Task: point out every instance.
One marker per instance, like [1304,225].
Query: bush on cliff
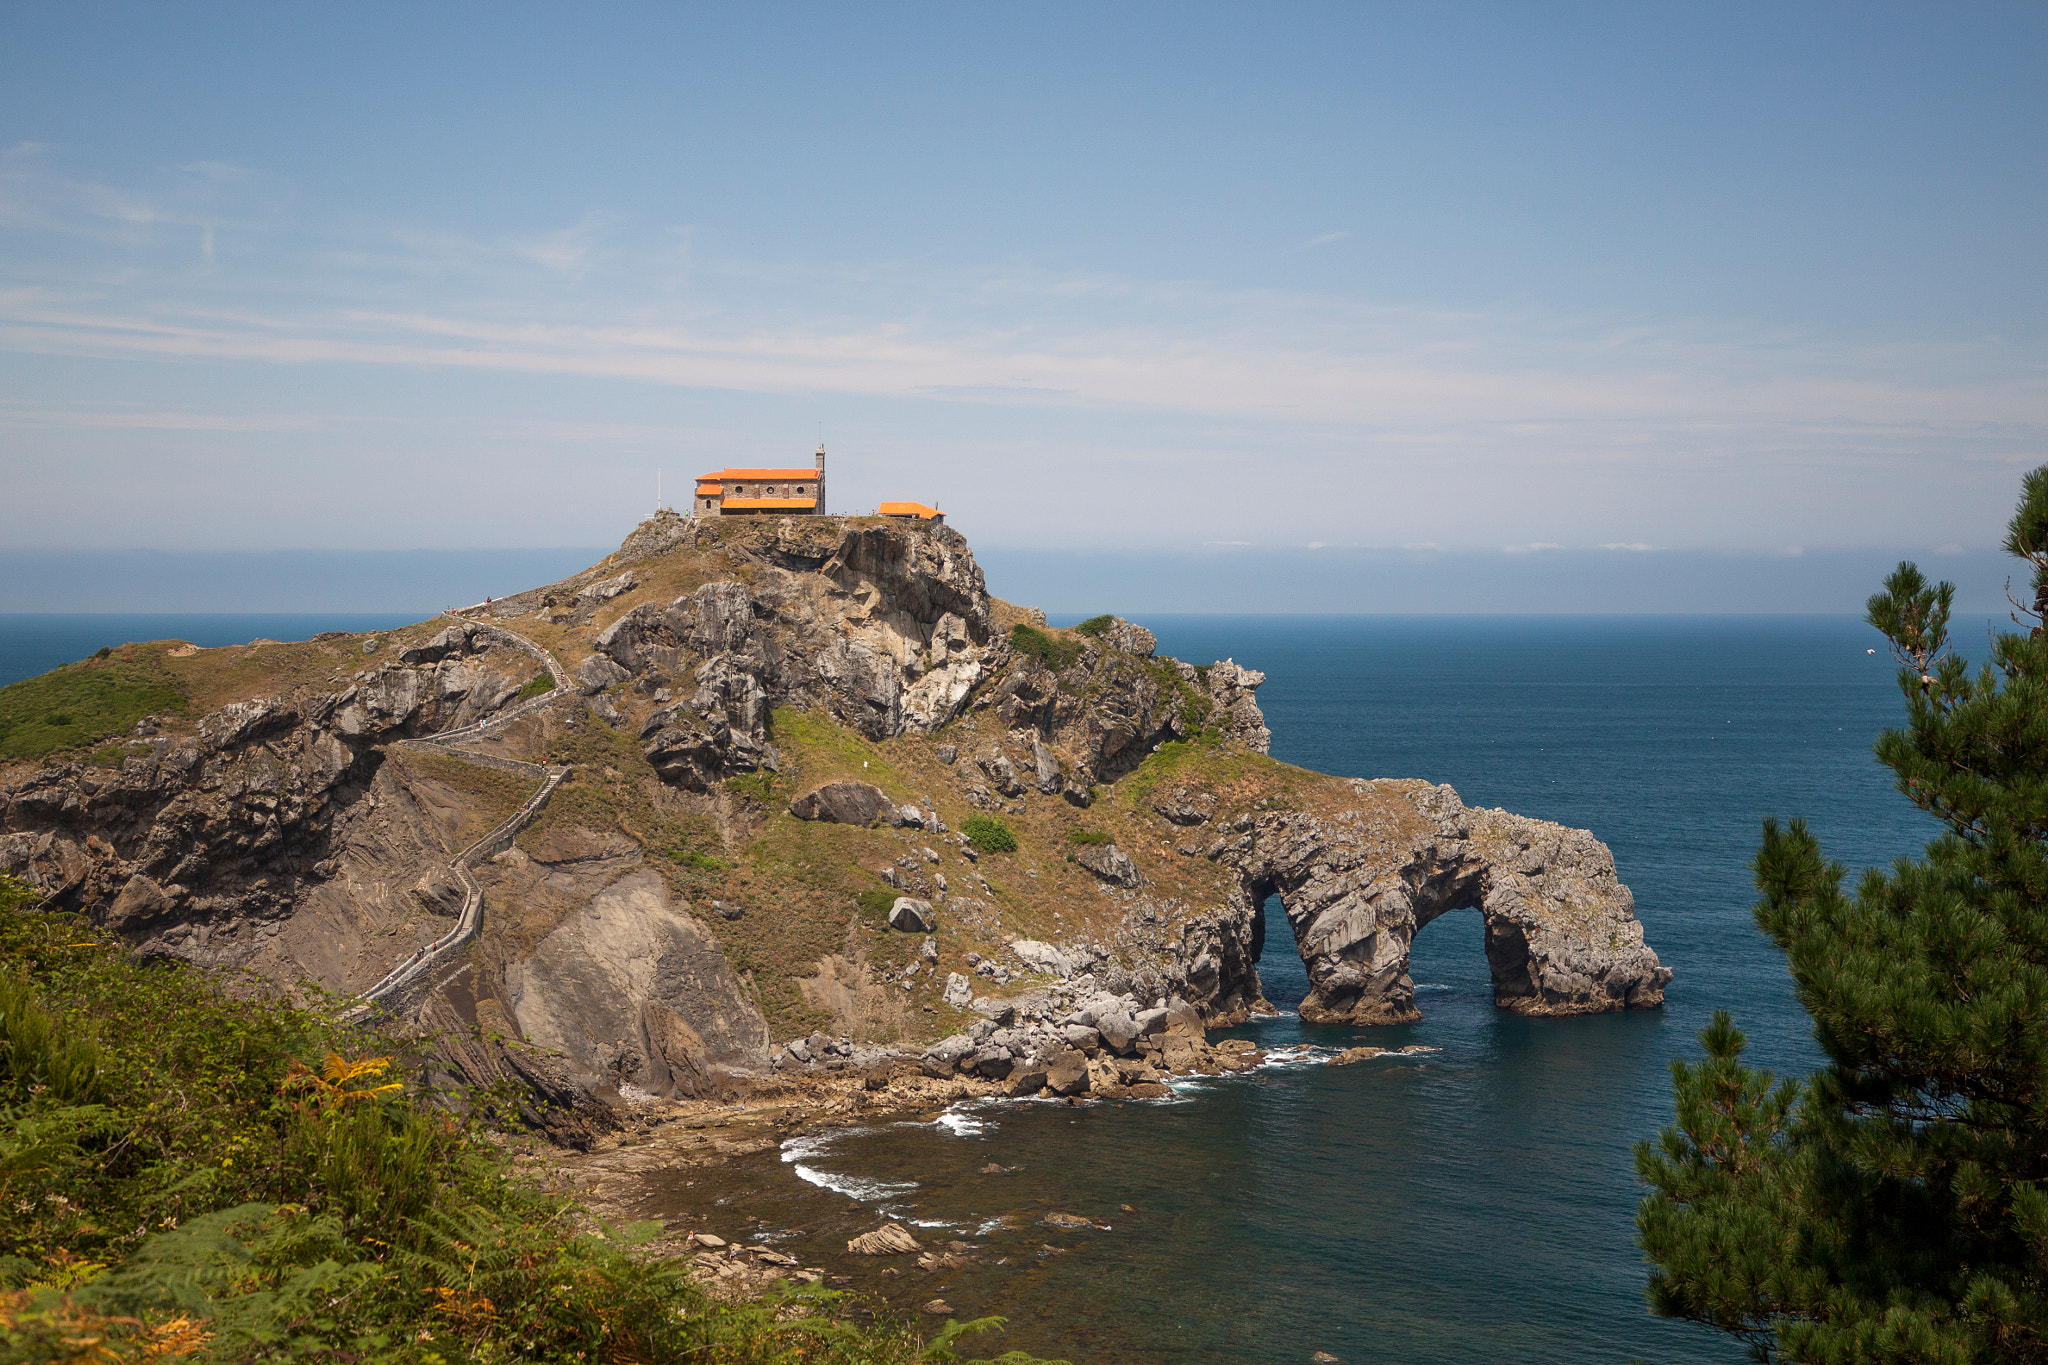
[1894,1205]
[1033,643]
[989,834]
[187,1176]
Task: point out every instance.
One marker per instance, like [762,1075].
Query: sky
[1492,281]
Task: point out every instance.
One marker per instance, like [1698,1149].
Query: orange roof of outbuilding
[909,509]
[705,490]
[768,504]
[762,475]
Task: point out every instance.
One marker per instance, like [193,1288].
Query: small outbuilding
[911,511]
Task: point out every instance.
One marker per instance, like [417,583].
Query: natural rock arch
[1359,879]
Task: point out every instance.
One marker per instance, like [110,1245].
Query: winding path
[409,973]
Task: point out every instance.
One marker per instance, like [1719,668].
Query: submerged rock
[891,1239]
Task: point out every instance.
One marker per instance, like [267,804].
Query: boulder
[1082,1036]
[1110,863]
[912,916]
[841,803]
[1066,1072]
[728,909]
[607,589]
[942,1057]
[1043,957]
[596,673]
[947,753]
[1047,768]
[1002,774]
[1071,1220]
[959,991]
[993,1063]
[1120,1031]
[890,1239]
[1027,1078]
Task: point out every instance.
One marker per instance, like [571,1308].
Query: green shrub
[878,901]
[1033,643]
[539,685]
[989,834]
[1078,835]
[758,785]
[1095,626]
[239,1180]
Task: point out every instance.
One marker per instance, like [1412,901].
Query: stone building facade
[762,492]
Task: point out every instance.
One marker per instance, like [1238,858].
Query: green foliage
[877,901]
[184,1175]
[989,834]
[82,703]
[758,785]
[539,685]
[1078,835]
[703,862]
[1095,626]
[1894,1206]
[1052,651]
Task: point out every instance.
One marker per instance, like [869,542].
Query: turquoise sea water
[1471,1204]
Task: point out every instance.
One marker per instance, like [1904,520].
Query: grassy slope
[78,705]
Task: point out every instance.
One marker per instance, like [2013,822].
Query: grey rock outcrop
[842,803]
[1110,863]
[912,916]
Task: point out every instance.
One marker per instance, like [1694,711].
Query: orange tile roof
[909,509]
[706,490]
[761,475]
[768,504]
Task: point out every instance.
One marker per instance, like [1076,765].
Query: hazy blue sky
[1719,277]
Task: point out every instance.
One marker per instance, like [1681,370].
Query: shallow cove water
[1474,1203]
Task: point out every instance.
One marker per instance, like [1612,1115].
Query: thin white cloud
[1635,546]
[1324,240]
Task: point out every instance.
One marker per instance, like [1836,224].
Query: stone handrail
[469,922]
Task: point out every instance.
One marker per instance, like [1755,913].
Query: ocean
[1470,1204]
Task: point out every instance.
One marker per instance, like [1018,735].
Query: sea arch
[1359,878]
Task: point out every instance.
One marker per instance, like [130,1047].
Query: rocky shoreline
[843,1085]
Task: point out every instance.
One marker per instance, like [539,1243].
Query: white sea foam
[853,1186]
[799,1152]
[1432,986]
[960,1123]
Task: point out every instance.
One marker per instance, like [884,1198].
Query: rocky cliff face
[776,729]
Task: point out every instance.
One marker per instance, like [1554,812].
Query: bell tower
[821,479]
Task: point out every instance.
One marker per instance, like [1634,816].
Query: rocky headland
[782,811]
